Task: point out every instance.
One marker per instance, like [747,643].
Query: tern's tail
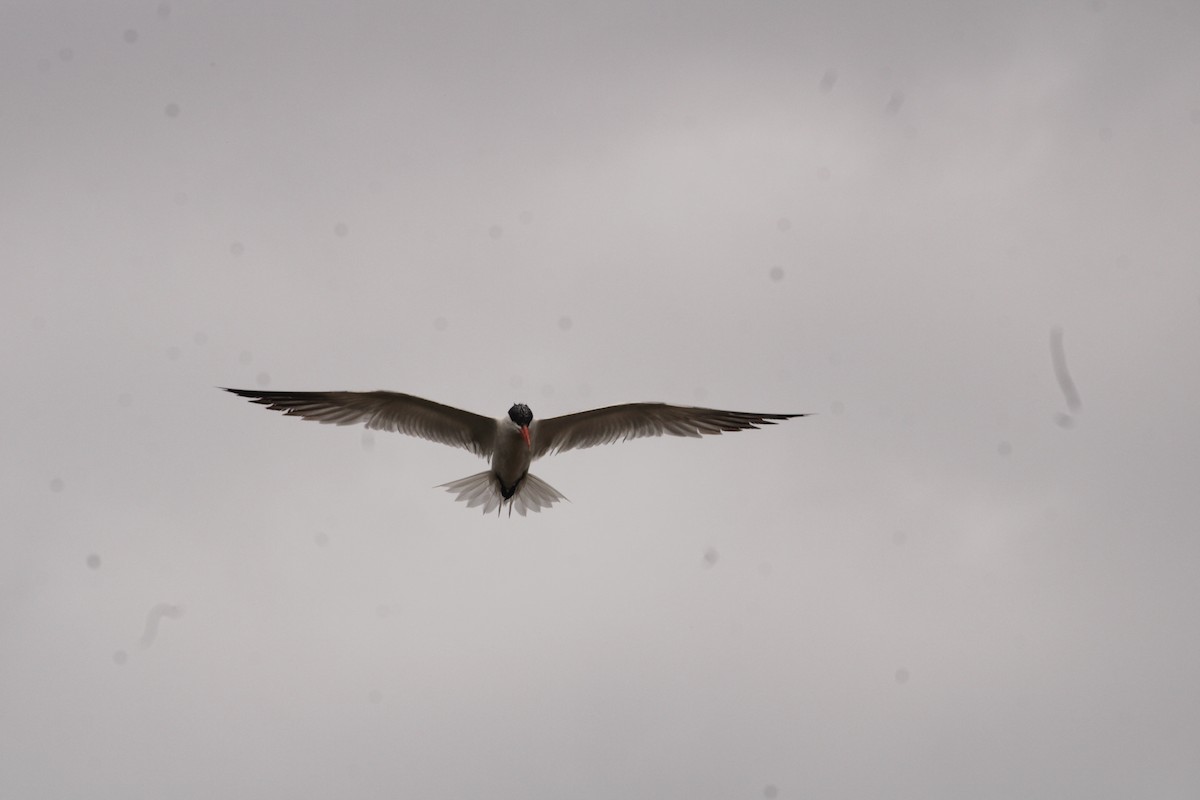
[483,489]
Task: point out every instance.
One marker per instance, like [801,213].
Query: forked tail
[483,489]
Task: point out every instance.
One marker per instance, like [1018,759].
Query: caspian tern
[512,441]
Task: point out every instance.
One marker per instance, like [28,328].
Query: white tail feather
[483,489]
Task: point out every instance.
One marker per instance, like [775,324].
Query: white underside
[483,489]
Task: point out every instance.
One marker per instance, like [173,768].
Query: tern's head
[520,414]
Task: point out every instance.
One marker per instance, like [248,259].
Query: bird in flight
[511,442]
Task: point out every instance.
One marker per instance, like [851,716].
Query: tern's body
[511,457]
[512,442]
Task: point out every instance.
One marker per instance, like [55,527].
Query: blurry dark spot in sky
[375,697]
[236,249]
[1004,449]
[770,791]
[263,378]
[368,440]
[711,557]
[57,485]
[776,274]
[1058,355]
[1064,420]
[783,224]
[172,110]
[439,324]
[321,539]
[159,612]
[173,353]
[130,35]
[495,231]
[899,538]
[93,561]
[200,338]
[894,103]
[124,400]
[66,54]
[341,229]
[828,81]
[564,323]
[902,676]
[525,217]
[120,657]
[245,357]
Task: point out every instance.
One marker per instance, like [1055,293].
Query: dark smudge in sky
[1058,354]
[157,613]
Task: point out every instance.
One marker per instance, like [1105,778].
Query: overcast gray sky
[949,583]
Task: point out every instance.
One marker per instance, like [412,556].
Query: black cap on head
[520,414]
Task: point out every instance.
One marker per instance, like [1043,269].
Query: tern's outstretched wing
[636,420]
[386,411]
